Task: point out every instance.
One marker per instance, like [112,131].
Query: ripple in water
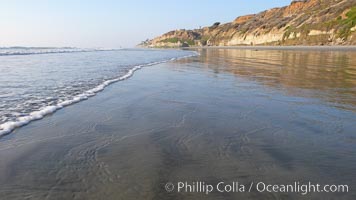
[35,82]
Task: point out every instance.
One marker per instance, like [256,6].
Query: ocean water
[38,81]
[7,51]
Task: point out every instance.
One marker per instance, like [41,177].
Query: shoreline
[8,127]
[307,48]
[207,118]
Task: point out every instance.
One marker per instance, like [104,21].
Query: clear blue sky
[112,23]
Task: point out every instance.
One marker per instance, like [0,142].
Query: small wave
[34,51]
[8,127]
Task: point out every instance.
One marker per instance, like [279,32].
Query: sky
[112,23]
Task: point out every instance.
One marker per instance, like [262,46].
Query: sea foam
[8,127]
[13,51]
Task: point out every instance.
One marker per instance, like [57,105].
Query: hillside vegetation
[309,22]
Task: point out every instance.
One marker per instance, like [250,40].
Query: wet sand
[293,48]
[227,115]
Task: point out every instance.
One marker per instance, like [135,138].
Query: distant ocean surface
[38,81]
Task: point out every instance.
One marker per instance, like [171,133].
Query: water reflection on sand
[227,115]
[330,75]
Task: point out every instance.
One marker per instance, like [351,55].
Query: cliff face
[303,22]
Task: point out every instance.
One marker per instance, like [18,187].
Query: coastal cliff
[303,22]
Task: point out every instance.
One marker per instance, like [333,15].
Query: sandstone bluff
[308,22]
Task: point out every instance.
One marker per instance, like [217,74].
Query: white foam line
[8,127]
[51,51]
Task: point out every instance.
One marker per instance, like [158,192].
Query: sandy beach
[214,117]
